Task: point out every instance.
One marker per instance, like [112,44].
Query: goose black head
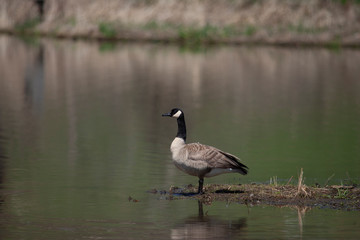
[175,113]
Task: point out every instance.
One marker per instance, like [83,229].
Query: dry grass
[302,189]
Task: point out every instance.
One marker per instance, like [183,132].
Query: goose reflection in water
[208,227]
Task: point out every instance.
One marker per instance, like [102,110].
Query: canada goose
[200,160]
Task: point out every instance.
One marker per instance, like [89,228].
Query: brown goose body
[204,161]
[198,159]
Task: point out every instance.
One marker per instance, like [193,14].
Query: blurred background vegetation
[191,21]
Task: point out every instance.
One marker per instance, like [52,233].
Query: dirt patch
[334,197]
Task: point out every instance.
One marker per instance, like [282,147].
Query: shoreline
[146,38]
[346,198]
[330,23]
[341,197]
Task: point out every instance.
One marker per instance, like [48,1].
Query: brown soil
[334,197]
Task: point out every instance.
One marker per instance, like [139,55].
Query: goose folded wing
[214,157]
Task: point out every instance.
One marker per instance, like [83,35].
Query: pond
[82,140]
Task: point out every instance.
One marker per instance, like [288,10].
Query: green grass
[107,29]
[27,25]
[152,25]
[300,28]
[335,44]
[273,181]
[229,30]
[342,193]
[192,35]
[249,30]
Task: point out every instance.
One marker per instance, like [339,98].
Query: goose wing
[214,157]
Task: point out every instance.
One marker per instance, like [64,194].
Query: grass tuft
[27,25]
[107,29]
[193,36]
[274,181]
[342,193]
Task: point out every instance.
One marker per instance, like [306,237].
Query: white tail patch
[177,114]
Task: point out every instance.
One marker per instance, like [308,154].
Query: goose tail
[237,165]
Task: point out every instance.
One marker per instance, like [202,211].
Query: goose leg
[201,182]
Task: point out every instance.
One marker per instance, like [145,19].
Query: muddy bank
[334,197]
[313,22]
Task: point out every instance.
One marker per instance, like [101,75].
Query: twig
[301,191]
[329,178]
[289,180]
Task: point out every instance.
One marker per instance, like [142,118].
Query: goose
[200,160]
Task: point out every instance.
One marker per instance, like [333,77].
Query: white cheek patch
[177,114]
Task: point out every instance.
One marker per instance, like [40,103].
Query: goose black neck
[181,127]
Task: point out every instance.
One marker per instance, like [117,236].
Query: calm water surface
[81,131]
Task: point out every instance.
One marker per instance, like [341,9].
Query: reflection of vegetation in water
[30,40]
[107,46]
[193,48]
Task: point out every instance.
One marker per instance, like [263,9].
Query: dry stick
[329,178]
[301,187]
[289,180]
